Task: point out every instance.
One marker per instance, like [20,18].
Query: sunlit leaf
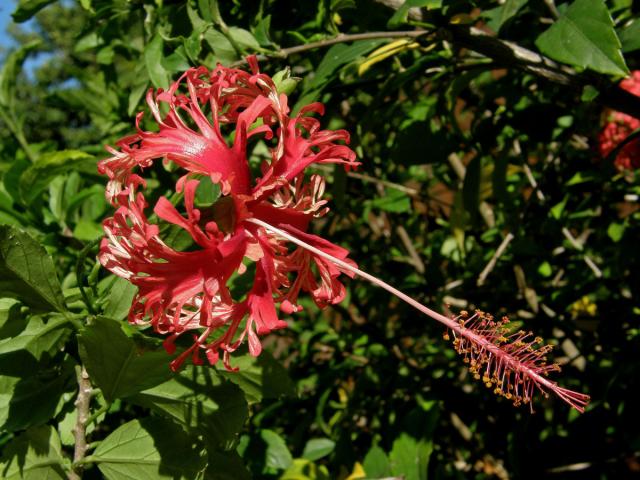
[584,36]
[147,449]
[27,271]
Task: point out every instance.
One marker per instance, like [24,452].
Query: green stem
[220,23]
[105,408]
[17,132]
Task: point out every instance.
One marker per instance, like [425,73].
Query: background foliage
[464,147]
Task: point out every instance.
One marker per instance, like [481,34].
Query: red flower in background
[619,126]
[187,291]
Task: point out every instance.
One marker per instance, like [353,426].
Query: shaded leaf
[27,271]
[336,57]
[584,36]
[302,469]
[260,378]
[34,455]
[32,401]
[28,8]
[201,400]
[116,363]
[394,201]
[630,37]
[23,352]
[226,466]
[471,186]
[11,323]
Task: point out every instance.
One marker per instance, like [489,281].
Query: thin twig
[352,37]
[396,186]
[80,430]
[411,249]
[532,181]
[580,247]
[551,5]
[494,259]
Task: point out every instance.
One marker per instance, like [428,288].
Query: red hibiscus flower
[187,291]
[260,214]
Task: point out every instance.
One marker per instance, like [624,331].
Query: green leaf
[27,271]
[376,464]
[34,455]
[119,298]
[498,16]
[32,401]
[409,457]
[116,363]
[136,94]
[226,466]
[11,323]
[584,37]
[317,448]
[558,209]
[201,400]
[244,38]
[28,8]
[221,46]
[35,179]
[471,185]
[86,4]
[545,269]
[193,43]
[261,31]
[260,378]
[148,449]
[302,469]
[403,12]
[153,56]
[394,201]
[630,37]
[39,340]
[616,231]
[10,70]
[336,57]
[277,454]
[87,231]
